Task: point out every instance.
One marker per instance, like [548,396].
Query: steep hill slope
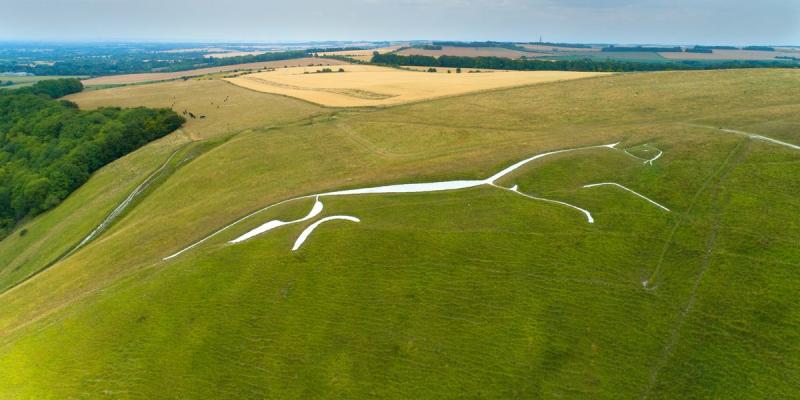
[479,292]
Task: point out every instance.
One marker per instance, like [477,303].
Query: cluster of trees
[716,47]
[562,65]
[502,45]
[505,45]
[48,147]
[325,71]
[53,88]
[6,83]
[428,47]
[696,49]
[640,49]
[759,48]
[315,50]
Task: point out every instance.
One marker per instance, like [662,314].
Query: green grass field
[475,293]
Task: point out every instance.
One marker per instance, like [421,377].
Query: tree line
[49,148]
[640,49]
[588,65]
[129,64]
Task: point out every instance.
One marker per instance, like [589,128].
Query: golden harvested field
[366,85]
[219,107]
[164,76]
[470,52]
[361,55]
[443,70]
[727,55]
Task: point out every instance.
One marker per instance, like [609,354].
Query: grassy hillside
[219,108]
[472,293]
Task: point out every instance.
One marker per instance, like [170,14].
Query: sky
[734,22]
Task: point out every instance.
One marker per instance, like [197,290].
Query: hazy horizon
[681,22]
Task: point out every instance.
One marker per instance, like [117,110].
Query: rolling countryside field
[487,235]
[361,55]
[367,85]
[468,52]
[128,79]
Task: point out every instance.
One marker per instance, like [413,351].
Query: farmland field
[219,108]
[361,85]
[469,52]
[164,76]
[361,55]
[729,55]
[549,49]
[498,290]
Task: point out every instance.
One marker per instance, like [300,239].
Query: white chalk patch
[769,139]
[585,212]
[306,232]
[629,190]
[218,231]
[409,188]
[515,166]
[400,188]
[645,160]
[761,137]
[315,210]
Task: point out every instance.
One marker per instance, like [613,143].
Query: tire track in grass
[733,159]
[686,214]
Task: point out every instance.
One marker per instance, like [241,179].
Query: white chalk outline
[628,189]
[515,189]
[306,232]
[644,160]
[415,188]
[749,135]
[761,137]
[275,223]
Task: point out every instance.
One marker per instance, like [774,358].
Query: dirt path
[122,206]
